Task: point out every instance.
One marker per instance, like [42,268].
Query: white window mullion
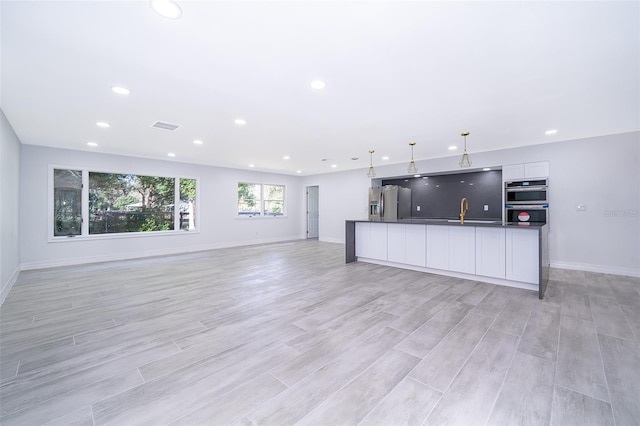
[176,205]
[85,203]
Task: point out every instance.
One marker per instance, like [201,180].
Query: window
[187,204]
[67,202]
[256,199]
[130,203]
[93,203]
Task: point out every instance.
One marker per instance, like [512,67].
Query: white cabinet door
[396,250]
[462,249]
[415,248]
[536,170]
[438,246]
[513,171]
[363,239]
[490,252]
[523,255]
[378,243]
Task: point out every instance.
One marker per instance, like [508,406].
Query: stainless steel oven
[526,201]
[524,214]
[526,192]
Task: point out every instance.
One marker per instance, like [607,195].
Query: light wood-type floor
[289,334]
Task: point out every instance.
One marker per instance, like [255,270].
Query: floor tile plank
[474,390]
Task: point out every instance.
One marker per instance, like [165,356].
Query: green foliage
[150,224]
[246,195]
[187,190]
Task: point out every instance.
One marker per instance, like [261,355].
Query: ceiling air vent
[163,125]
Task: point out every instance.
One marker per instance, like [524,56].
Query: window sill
[63,239]
[270,217]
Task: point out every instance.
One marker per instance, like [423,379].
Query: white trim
[603,269]
[6,287]
[117,235]
[84,232]
[472,277]
[271,216]
[332,240]
[148,253]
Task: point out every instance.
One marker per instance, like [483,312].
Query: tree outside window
[256,199]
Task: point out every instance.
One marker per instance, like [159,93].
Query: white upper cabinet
[513,171]
[536,170]
[525,171]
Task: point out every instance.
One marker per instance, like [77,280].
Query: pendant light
[372,171]
[465,161]
[412,169]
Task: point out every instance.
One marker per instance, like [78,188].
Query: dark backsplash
[439,196]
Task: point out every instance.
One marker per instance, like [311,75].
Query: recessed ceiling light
[240,121]
[385,158]
[198,142]
[171,154]
[486,169]
[286,157]
[551,132]
[318,84]
[92,144]
[416,176]
[252,165]
[120,90]
[453,148]
[298,171]
[334,165]
[167,8]
[103,124]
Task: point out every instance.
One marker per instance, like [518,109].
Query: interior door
[312,211]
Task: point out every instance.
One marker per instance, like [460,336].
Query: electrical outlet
[417,208]
[581,207]
[486,207]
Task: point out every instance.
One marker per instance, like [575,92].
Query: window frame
[262,215]
[84,233]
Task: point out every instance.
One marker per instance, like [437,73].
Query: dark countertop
[453,222]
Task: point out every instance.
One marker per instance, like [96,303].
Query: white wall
[9,206]
[219,226]
[601,172]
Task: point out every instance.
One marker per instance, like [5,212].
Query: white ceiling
[395,72]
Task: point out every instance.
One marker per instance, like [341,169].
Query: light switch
[581,207]
[418,208]
[486,207]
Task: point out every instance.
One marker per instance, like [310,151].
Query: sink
[474,221]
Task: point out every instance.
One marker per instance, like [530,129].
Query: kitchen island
[489,251]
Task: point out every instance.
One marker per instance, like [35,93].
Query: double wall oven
[526,201]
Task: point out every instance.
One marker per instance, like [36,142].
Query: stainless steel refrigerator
[391,202]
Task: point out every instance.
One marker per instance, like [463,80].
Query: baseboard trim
[613,270]
[28,266]
[332,240]
[6,287]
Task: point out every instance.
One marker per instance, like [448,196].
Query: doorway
[312,211]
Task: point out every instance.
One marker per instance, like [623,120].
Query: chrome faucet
[464,206]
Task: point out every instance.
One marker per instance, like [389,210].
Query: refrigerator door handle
[381,204]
